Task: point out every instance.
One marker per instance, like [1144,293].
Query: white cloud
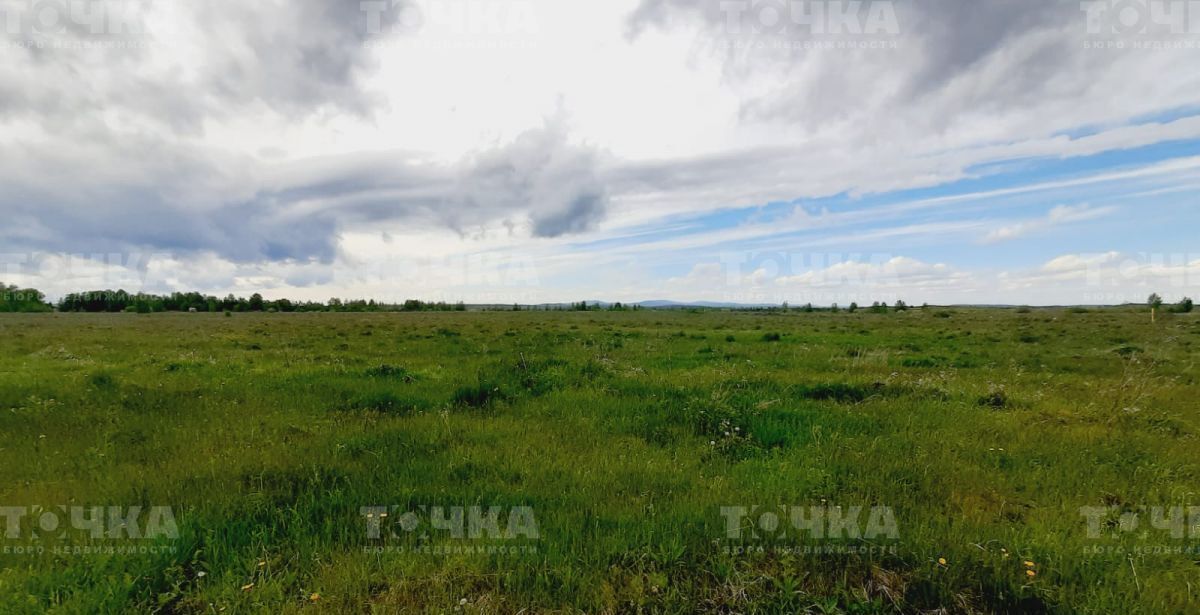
[1059,215]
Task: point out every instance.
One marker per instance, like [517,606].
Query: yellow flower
[1029,564]
[1032,573]
[247,587]
[942,561]
[315,597]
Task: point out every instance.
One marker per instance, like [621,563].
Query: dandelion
[712,442]
[462,601]
[314,597]
[1029,564]
[1031,573]
[201,574]
[942,561]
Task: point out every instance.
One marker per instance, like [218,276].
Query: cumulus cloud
[1106,277]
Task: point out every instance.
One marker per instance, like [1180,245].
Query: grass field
[618,445]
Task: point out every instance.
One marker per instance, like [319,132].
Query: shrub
[385,402]
[390,371]
[480,395]
[839,391]
[771,337]
[995,398]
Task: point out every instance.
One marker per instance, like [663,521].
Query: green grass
[984,431]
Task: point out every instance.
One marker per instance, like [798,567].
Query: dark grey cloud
[149,195]
[1035,45]
[295,58]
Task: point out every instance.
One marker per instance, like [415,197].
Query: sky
[501,151]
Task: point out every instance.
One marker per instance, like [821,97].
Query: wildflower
[942,561]
[1029,564]
[1031,573]
[462,601]
[247,587]
[314,597]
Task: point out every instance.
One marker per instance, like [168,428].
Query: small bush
[481,395]
[102,380]
[995,398]
[390,371]
[771,337]
[386,402]
[839,391]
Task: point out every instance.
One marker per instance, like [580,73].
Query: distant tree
[256,303]
[1155,302]
[853,308]
[14,299]
[1184,306]
[901,306]
[808,308]
[834,308]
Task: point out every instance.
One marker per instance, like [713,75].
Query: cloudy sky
[1026,151]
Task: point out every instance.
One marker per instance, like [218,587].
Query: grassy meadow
[626,435]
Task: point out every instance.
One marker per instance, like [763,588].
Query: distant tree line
[143,303]
[14,299]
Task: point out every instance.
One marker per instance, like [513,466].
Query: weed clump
[480,395]
[996,398]
[771,337]
[390,371]
[103,380]
[385,402]
[839,392]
